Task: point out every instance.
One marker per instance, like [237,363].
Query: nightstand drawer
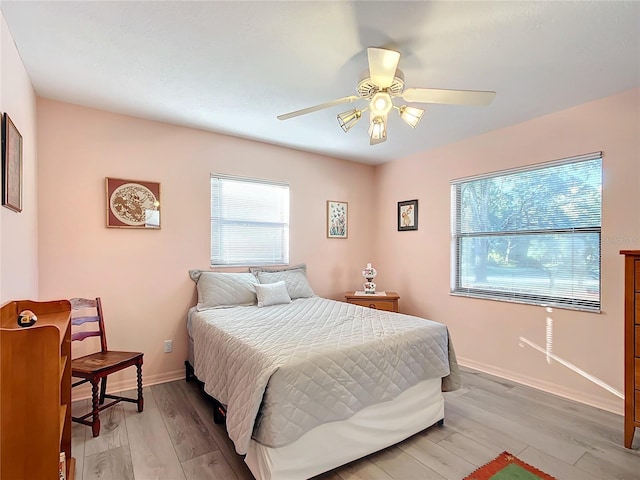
[388,305]
[388,302]
[637,384]
[637,413]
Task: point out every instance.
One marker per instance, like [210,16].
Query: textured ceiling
[232,67]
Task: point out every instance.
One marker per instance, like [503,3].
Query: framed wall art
[408,215]
[11,165]
[337,219]
[133,203]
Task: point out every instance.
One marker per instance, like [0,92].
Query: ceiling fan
[380,85]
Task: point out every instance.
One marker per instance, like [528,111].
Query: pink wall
[142,275]
[486,333]
[19,231]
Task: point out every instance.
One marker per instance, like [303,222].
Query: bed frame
[219,410]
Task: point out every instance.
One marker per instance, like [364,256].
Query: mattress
[286,369]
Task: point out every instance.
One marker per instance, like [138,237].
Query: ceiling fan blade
[452,97]
[315,108]
[383,64]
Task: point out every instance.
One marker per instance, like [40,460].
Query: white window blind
[249,222]
[530,235]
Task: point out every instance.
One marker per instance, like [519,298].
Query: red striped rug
[508,467]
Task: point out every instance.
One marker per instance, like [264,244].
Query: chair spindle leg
[95,424]
[103,389]
[140,398]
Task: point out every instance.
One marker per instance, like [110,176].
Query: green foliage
[545,220]
[559,197]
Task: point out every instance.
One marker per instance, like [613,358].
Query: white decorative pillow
[272,294]
[296,281]
[221,289]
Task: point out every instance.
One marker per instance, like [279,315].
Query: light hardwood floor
[175,439]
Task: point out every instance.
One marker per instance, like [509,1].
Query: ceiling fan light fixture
[411,115]
[349,119]
[381,104]
[377,129]
[379,85]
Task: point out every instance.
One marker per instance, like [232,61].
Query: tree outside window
[530,235]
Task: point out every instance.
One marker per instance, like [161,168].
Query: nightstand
[388,302]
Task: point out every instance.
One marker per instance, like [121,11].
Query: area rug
[508,467]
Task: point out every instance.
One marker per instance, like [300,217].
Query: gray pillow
[296,281]
[272,294]
[221,289]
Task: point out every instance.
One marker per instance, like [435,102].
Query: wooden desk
[35,391]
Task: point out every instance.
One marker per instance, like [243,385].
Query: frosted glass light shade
[377,130]
[381,104]
[411,115]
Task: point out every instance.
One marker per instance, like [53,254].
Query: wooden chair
[97,366]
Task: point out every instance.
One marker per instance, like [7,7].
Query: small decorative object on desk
[62,467]
[26,318]
[369,273]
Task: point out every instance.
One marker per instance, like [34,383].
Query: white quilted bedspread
[284,369]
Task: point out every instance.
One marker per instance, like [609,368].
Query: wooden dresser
[387,302]
[35,391]
[631,344]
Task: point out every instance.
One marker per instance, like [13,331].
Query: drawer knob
[372,305]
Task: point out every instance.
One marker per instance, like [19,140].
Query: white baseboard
[84,391]
[615,405]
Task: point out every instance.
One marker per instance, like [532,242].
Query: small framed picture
[337,219]
[408,215]
[133,204]
[11,165]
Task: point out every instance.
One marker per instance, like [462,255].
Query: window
[530,235]
[249,222]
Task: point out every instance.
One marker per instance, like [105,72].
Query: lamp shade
[369,272]
[349,119]
[377,129]
[411,115]
[381,104]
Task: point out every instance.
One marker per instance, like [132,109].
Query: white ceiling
[231,67]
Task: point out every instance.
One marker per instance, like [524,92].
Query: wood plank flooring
[175,439]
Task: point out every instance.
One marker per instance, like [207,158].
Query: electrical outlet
[168,346]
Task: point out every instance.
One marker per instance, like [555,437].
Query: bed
[307,384]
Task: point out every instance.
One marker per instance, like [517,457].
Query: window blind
[531,234]
[249,222]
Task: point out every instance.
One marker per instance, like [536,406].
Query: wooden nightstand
[387,302]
